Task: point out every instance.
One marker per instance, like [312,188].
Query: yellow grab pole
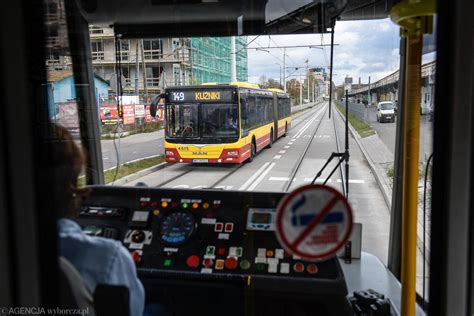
[415,18]
[411,136]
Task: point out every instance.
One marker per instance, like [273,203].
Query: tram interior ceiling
[140,19]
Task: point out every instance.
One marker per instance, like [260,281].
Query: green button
[185,205]
[239,252]
[210,250]
[167,263]
[244,264]
[260,266]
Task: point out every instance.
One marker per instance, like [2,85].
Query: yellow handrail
[415,18]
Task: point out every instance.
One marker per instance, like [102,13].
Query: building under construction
[146,66]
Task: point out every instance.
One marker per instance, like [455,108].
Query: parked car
[385,111]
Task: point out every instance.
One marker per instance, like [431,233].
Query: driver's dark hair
[63,161]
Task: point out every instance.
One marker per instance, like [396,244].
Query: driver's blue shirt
[101,261]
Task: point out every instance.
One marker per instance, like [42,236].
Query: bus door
[275,116]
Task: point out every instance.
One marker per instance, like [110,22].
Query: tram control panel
[209,239]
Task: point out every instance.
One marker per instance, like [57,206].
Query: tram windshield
[274,135]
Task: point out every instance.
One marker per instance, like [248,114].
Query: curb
[139,174]
[384,187]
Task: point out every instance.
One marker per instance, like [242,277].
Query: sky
[364,48]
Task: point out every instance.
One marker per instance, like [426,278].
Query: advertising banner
[128,114]
[68,116]
[139,110]
[108,114]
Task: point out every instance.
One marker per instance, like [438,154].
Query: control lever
[370,303]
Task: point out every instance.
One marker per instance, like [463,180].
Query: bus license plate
[200,160]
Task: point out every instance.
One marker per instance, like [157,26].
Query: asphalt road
[132,147]
[387,131]
[272,168]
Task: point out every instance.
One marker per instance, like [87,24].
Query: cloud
[365,48]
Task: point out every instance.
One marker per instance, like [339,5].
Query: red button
[208,263]
[298,267]
[312,268]
[136,256]
[229,227]
[154,203]
[193,261]
[143,204]
[221,251]
[231,263]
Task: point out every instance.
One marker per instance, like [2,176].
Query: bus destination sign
[200,95]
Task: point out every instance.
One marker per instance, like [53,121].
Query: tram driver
[98,260]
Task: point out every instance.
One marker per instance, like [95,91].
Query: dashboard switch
[208,263]
[193,261]
[218,227]
[136,256]
[312,268]
[231,263]
[229,227]
[298,267]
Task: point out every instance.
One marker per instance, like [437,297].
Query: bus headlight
[169,153]
[232,153]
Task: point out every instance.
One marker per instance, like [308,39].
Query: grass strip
[127,169]
[362,128]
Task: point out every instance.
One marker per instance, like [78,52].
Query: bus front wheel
[253,151]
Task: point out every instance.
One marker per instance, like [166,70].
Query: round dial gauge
[177,227]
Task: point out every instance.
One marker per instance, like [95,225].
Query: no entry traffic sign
[313,222]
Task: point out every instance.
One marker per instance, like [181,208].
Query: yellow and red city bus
[223,123]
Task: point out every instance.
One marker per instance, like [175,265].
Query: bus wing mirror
[154,104]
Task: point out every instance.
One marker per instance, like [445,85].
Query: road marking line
[293,140]
[282,151]
[224,187]
[257,182]
[105,158]
[277,157]
[253,177]
[305,127]
[319,180]
[184,186]
[286,147]
[290,143]
[352,181]
[279,179]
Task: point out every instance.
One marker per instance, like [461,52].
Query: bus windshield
[219,120]
[182,120]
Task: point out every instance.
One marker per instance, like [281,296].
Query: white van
[385,111]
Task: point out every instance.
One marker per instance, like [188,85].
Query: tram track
[306,149]
[304,119]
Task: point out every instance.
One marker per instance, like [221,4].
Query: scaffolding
[211,59]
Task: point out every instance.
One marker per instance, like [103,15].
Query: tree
[293,89]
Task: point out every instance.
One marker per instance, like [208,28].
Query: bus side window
[244,114]
[251,100]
